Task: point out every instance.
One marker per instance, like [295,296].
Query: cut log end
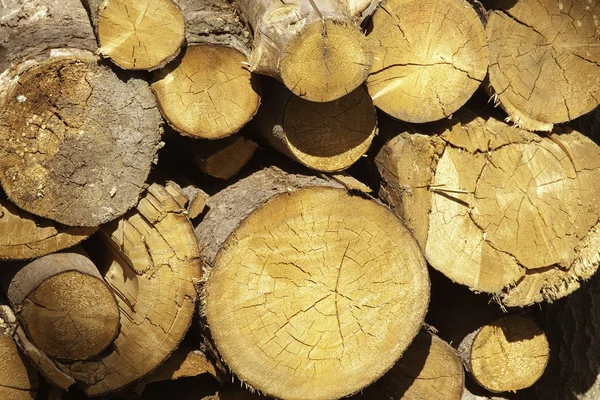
[77,142]
[209,93]
[328,60]
[139,34]
[559,79]
[223,158]
[429,58]
[303,302]
[18,379]
[330,136]
[509,354]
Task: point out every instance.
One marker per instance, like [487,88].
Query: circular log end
[209,93]
[140,34]
[77,141]
[509,354]
[556,75]
[18,379]
[330,136]
[328,60]
[71,316]
[430,57]
[304,303]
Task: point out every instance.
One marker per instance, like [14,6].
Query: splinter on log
[430,57]
[63,304]
[24,236]
[137,34]
[316,48]
[304,300]
[77,141]
[428,368]
[323,136]
[508,354]
[496,208]
[18,379]
[209,93]
[544,59]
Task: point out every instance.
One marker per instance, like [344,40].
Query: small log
[508,354]
[209,93]
[544,59]
[24,236]
[316,48]
[63,304]
[429,58]
[301,300]
[137,34]
[18,379]
[496,208]
[323,136]
[149,258]
[77,142]
[429,368]
[222,159]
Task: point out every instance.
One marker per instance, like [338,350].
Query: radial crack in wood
[430,57]
[304,300]
[545,59]
[499,209]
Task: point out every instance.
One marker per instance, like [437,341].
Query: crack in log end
[429,58]
[321,292]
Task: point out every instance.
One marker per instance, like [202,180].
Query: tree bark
[323,136]
[429,58]
[137,34]
[209,92]
[24,236]
[149,259]
[484,194]
[77,141]
[63,304]
[316,48]
[556,76]
[428,369]
[288,271]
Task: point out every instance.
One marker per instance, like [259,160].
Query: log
[327,136]
[24,236]
[496,208]
[137,34]
[428,369]
[18,379]
[316,48]
[149,258]
[303,302]
[77,140]
[63,304]
[222,159]
[554,76]
[429,58]
[209,92]
[508,354]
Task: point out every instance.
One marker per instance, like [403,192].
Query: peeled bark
[77,141]
[137,34]
[429,58]
[24,236]
[209,93]
[304,300]
[149,259]
[63,304]
[544,59]
[316,48]
[323,136]
[428,369]
[496,208]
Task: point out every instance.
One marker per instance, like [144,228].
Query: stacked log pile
[303,200]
